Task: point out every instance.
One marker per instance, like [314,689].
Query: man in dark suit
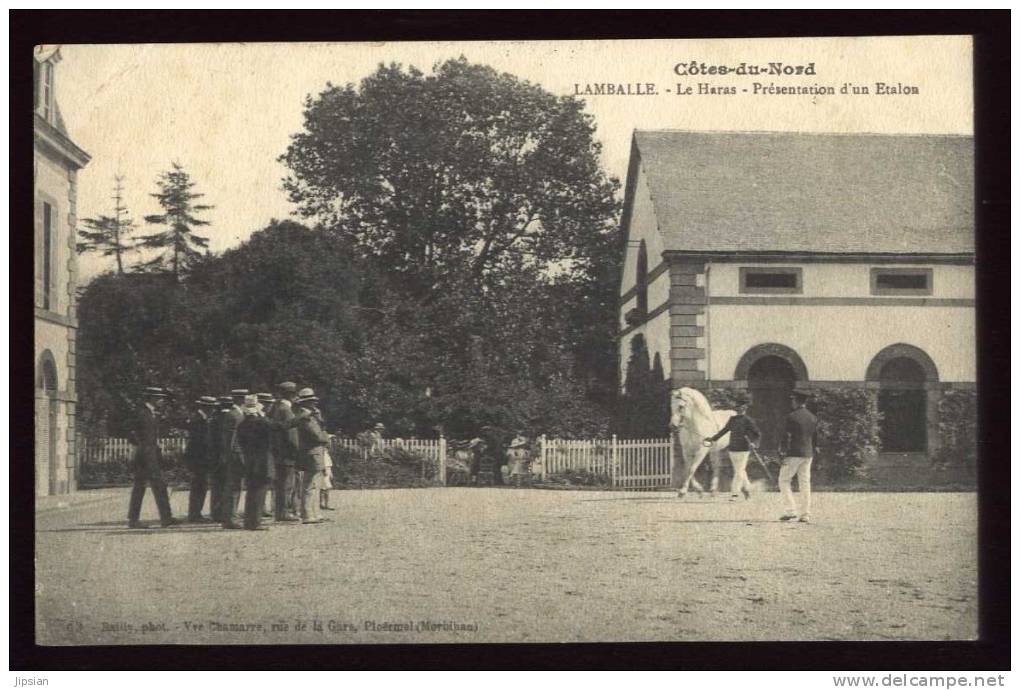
[798,446]
[198,457]
[146,462]
[255,436]
[286,445]
[217,471]
[231,459]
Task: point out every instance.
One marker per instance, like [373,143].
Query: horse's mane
[700,410]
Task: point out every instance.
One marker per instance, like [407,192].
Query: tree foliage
[109,235]
[292,304]
[644,406]
[178,244]
[460,273]
[462,171]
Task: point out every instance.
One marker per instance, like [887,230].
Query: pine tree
[109,234]
[180,244]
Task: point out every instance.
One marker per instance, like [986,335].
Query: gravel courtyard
[492,565]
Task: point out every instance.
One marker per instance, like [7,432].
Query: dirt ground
[500,565]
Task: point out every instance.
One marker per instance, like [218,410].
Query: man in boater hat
[286,447]
[231,458]
[218,473]
[198,457]
[254,435]
[145,465]
[312,456]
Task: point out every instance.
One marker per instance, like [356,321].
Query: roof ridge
[803,133]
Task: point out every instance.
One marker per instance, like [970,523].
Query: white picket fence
[431,451]
[106,450]
[628,463]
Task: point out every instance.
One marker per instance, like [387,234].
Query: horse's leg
[715,461]
[689,470]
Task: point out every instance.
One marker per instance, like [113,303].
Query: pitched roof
[823,193]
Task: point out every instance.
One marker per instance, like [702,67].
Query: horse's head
[690,409]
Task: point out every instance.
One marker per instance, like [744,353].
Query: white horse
[693,420]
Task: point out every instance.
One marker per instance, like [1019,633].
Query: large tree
[457,173]
[178,244]
[109,235]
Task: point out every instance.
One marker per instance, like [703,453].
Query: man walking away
[744,434]
[798,446]
[218,472]
[231,459]
[198,457]
[146,462]
[285,454]
[312,461]
[254,435]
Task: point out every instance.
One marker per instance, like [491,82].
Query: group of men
[269,443]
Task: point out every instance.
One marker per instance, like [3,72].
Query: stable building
[56,164]
[765,261]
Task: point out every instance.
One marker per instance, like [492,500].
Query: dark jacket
[313,443]
[800,437]
[198,456]
[215,429]
[147,456]
[230,448]
[742,430]
[286,442]
[255,436]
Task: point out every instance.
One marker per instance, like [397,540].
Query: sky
[226,111]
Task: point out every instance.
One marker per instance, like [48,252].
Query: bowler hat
[286,387]
[266,397]
[380,426]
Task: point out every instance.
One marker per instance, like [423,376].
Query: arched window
[642,279]
[47,373]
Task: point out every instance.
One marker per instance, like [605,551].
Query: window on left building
[42,89]
[47,255]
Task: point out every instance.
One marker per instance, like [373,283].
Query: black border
[992,101]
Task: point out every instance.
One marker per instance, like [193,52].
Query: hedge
[957,429]
[847,427]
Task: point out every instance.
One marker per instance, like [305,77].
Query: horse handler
[744,434]
[798,446]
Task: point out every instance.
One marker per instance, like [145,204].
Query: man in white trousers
[798,446]
[743,434]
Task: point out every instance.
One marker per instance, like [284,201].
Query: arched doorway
[903,374]
[770,380]
[771,371]
[902,402]
[46,421]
